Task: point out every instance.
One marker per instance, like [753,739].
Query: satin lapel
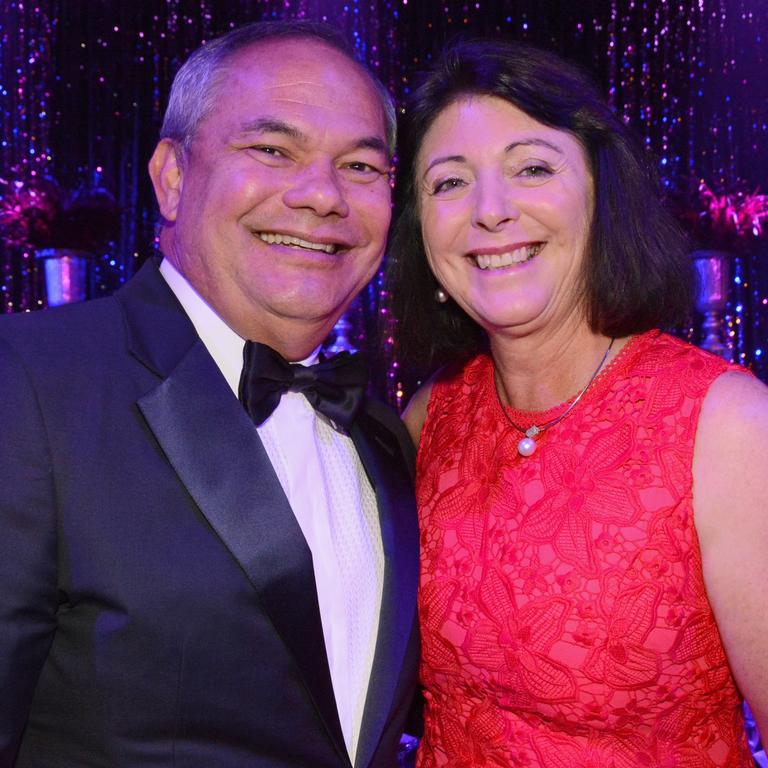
[216,452]
[159,331]
[380,454]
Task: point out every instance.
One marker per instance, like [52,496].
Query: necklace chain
[527,444]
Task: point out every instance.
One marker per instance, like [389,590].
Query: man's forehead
[273,80]
[286,60]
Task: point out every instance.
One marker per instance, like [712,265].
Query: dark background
[83,84]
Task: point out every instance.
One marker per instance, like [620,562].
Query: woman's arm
[415,413]
[730,496]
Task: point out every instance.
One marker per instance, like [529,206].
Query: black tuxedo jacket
[157,598]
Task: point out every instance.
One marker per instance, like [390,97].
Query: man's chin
[309,308]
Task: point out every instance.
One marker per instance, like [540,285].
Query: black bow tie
[334,387]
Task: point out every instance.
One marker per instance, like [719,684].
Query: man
[185,581]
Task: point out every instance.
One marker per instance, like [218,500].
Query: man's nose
[317,187]
[494,204]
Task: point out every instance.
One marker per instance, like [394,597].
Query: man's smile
[278,238]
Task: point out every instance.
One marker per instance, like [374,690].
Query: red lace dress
[563,613]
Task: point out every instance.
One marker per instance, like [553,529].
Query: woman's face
[505,206]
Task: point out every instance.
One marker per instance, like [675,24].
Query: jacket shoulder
[389,419]
[62,327]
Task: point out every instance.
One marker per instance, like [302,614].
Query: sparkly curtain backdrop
[25,65]
[83,84]
[690,76]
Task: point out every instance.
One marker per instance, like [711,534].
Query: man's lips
[303,242]
[505,256]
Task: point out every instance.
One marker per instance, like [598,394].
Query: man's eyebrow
[376,143]
[274,125]
[508,148]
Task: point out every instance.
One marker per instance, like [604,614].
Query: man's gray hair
[193,92]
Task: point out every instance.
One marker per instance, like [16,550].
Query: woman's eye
[536,170]
[445,185]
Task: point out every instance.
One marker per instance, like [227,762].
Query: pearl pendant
[526,446]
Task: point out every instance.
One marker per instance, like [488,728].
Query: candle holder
[66,275]
[713,281]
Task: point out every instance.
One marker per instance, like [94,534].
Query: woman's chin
[509,319]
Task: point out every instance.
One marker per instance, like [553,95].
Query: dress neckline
[624,359]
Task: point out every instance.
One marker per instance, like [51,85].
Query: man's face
[278,212]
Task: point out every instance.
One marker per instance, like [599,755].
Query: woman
[592,491]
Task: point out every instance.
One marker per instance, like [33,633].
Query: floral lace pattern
[563,612]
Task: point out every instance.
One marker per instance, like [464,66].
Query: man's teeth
[519,255]
[274,238]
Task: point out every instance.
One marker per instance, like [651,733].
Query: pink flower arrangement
[728,220]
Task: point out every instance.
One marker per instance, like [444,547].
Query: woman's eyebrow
[508,148]
[445,159]
[534,142]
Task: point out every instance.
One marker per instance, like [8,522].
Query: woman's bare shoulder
[730,498]
[415,413]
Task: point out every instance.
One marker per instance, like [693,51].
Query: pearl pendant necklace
[527,445]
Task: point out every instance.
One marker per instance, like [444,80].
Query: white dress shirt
[334,504]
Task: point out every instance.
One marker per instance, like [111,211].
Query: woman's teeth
[518,256]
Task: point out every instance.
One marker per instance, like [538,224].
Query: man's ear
[167,177]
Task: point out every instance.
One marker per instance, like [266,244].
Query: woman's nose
[494,204]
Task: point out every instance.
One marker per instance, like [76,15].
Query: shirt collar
[223,344]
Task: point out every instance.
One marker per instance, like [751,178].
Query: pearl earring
[440,295]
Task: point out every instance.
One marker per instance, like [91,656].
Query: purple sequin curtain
[83,84]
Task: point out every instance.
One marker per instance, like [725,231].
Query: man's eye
[267,150]
[445,185]
[361,167]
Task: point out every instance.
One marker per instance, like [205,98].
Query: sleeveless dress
[564,618]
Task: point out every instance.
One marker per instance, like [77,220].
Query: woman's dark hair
[636,273]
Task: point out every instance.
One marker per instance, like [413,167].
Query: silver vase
[342,342]
[66,275]
[713,282]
